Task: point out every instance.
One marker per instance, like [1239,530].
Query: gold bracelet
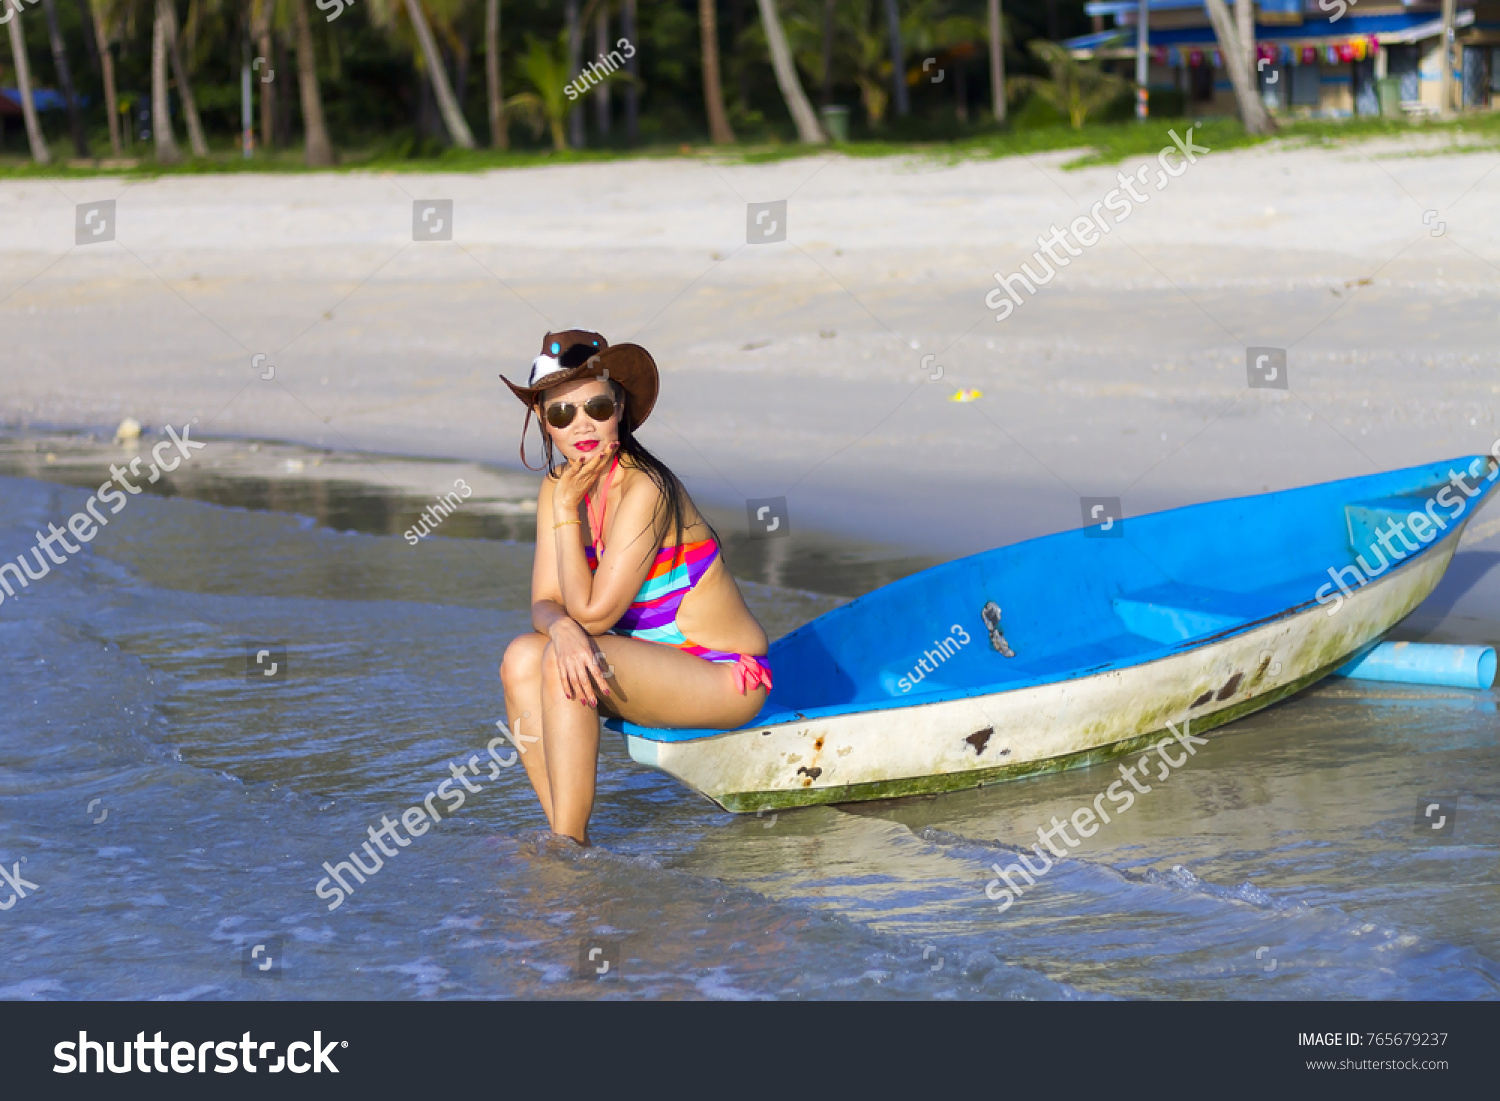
[565,523]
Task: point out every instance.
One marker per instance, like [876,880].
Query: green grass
[1096,143]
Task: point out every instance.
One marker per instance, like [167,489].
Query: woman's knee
[522,664]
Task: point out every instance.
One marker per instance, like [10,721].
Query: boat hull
[982,739]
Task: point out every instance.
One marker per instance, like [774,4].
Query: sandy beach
[804,368]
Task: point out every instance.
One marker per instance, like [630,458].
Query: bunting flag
[1309,55]
[1288,56]
[1195,58]
[1331,55]
[1174,57]
[1218,60]
[1346,51]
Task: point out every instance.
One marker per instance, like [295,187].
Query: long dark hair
[672,495]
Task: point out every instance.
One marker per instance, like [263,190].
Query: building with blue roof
[1314,57]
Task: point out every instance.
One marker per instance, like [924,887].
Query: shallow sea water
[1284,861]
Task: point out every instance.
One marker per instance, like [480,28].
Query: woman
[635,613]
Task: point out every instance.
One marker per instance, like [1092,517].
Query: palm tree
[65,76]
[196,140]
[808,130]
[898,61]
[863,50]
[867,47]
[825,57]
[997,60]
[262,16]
[34,135]
[319,150]
[1253,112]
[104,17]
[165,46]
[499,137]
[1075,88]
[161,114]
[954,36]
[713,93]
[453,116]
[632,71]
[546,69]
[385,15]
[574,27]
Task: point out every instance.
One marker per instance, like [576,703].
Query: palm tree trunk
[107,63]
[898,61]
[34,135]
[633,69]
[499,134]
[961,89]
[575,64]
[808,130]
[601,48]
[825,95]
[161,112]
[713,93]
[1252,110]
[453,117]
[262,32]
[184,86]
[997,61]
[1244,15]
[319,150]
[86,20]
[65,77]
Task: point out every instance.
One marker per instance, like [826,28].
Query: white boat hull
[970,742]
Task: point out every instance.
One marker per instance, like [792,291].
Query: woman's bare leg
[521,673]
[570,731]
[650,684]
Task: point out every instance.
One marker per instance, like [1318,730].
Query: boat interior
[1097,598]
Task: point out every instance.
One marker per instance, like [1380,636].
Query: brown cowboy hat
[577,353]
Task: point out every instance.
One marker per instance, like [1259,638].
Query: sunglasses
[560,414]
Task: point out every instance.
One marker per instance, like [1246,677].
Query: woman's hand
[578,478]
[576,658]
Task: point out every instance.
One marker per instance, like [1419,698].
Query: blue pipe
[1422,663]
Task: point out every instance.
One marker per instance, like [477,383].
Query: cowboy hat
[577,353]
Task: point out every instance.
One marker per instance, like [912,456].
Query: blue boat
[1083,645]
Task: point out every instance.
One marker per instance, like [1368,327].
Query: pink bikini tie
[751,674]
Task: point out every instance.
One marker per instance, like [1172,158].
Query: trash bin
[1389,90]
[836,122]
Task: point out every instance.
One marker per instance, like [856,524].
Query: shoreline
[337,489]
